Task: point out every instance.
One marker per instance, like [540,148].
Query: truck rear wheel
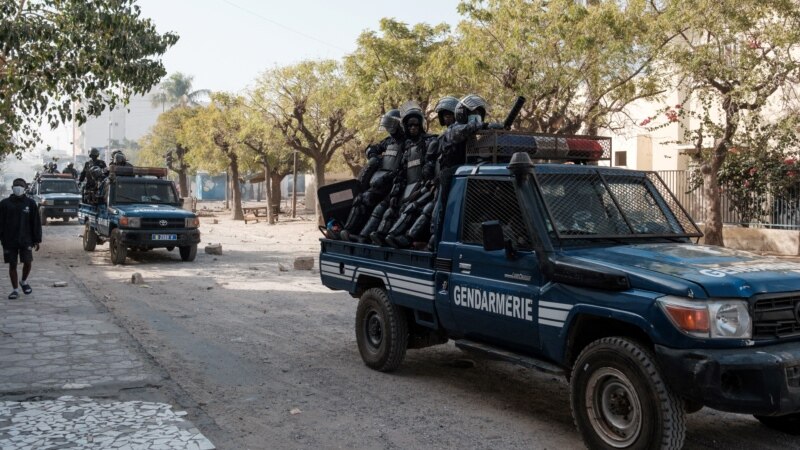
[89,239]
[381,331]
[789,423]
[118,250]
[620,401]
[188,252]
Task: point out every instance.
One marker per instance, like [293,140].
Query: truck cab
[139,210]
[57,196]
[593,273]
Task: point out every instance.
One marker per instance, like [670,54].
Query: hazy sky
[226,44]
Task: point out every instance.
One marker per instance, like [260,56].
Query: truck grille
[776,317]
[66,202]
[170,223]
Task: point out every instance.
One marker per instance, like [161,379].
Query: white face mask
[18,190]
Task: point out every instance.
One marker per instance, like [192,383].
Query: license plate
[165,237]
[69,210]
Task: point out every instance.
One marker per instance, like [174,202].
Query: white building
[131,122]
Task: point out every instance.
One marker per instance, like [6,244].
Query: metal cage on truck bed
[497,146]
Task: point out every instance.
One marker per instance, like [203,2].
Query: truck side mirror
[493,235]
[493,239]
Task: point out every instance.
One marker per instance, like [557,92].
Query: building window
[621,159]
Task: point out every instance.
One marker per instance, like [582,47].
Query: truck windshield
[58,186]
[585,203]
[147,192]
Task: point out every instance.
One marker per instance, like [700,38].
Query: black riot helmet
[445,105]
[411,109]
[69,165]
[119,159]
[390,122]
[469,105]
[94,153]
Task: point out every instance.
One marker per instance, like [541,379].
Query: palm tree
[177,91]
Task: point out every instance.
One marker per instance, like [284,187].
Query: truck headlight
[715,319]
[46,202]
[192,222]
[130,222]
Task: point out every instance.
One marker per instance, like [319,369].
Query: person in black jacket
[20,234]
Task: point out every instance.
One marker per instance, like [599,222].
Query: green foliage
[398,63]
[578,66]
[732,61]
[167,134]
[54,53]
[763,165]
[177,91]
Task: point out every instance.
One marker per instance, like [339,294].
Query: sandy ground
[270,356]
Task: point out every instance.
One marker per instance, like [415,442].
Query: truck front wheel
[43,216]
[620,401]
[118,250]
[188,252]
[789,423]
[381,331]
[89,239]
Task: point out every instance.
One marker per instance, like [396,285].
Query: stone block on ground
[304,263]
[214,249]
[60,284]
[136,278]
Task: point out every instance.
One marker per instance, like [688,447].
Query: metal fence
[782,212]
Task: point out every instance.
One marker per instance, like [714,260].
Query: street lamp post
[108,149]
[294,187]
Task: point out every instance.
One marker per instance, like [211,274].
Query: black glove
[372,152]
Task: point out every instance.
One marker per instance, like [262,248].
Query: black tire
[118,250]
[43,216]
[188,252]
[65,219]
[169,249]
[789,424]
[620,401]
[89,238]
[381,331]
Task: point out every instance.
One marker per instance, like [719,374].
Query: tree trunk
[236,193]
[319,176]
[271,219]
[183,182]
[713,226]
[275,183]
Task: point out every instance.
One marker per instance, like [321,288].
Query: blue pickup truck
[56,195]
[588,272]
[139,210]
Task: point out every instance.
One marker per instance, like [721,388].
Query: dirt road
[270,356]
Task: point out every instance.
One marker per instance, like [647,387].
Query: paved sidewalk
[58,343]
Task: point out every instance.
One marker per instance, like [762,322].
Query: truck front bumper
[146,238]
[752,380]
[60,211]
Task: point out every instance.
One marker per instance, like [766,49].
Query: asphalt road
[270,357]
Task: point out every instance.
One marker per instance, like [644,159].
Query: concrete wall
[781,242]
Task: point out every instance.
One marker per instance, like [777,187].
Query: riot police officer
[70,169]
[411,187]
[51,168]
[118,159]
[92,175]
[376,179]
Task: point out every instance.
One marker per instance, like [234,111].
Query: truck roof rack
[130,171]
[497,146]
